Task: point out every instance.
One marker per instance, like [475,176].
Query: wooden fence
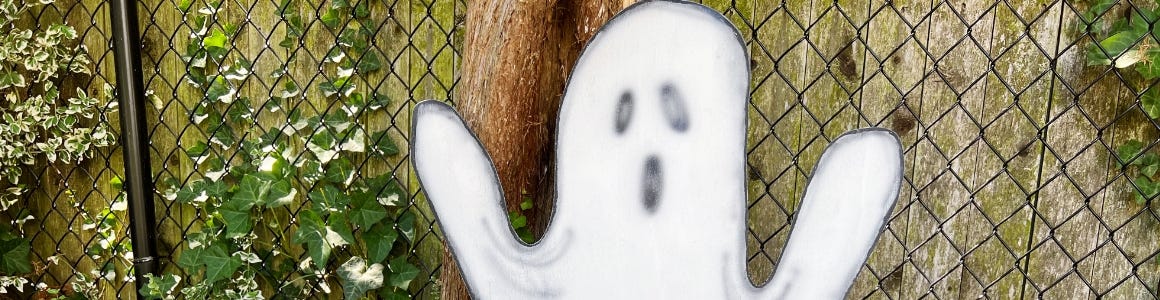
[1012,187]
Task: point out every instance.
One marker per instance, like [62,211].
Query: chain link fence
[1029,156]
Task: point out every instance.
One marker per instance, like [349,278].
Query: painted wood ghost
[651,179]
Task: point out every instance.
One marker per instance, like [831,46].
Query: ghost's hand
[461,185]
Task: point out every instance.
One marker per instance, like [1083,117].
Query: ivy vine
[354,228]
[1128,41]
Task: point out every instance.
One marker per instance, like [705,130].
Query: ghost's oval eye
[623,112]
[674,106]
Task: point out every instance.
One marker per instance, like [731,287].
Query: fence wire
[1028,168]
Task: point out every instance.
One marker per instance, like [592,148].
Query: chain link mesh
[1012,184]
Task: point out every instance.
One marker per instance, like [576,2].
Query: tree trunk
[517,57]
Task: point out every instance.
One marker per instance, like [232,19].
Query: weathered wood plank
[1016,89]
[1101,107]
[833,73]
[893,71]
[946,157]
[778,56]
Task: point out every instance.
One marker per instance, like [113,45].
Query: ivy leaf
[195,192]
[331,18]
[361,10]
[1149,164]
[1150,102]
[1114,46]
[383,144]
[215,43]
[184,5]
[369,63]
[11,78]
[402,272]
[159,286]
[378,101]
[366,211]
[198,152]
[311,170]
[406,225]
[221,90]
[380,240]
[328,198]
[357,278]
[339,230]
[1128,151]
[263,189]
[319,238]
[14,255]
[394,294]
[237,220]
[1145,189]
[340,171]
[1150,69]
[190,259]
[219,264]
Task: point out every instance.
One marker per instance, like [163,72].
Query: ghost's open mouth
[652,182]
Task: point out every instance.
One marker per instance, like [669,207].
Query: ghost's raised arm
[462,186]
[848,200]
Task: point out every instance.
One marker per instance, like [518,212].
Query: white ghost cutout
[651,179]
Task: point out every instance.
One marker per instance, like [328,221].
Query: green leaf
[319,238]
[339,225]
[221,90]
[14,255]
[518,221]
[340,171]
[219,264]
[196,191]
[250,192]
[394,294]
[1128,151]
[237,220]
[158,287]
[215,41]
[1150,69]
[378,101]
[406,225]
[369,63]
[339,86]
[380,239]
[184,5]
[383,144]
[263,189]
[361,10]
[1150,102]
[329,198]
[190,259]
[331,18]
[1149,164]
[366,211]
[402,272]
[358,278]
[1114,46]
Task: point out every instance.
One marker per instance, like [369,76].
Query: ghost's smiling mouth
[651,184]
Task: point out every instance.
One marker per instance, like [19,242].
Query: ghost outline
[698,173]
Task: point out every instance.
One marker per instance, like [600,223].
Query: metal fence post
[134,137]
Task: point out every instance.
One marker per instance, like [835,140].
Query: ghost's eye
[674,106]
[623,112]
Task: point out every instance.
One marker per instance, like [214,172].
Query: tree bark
[517,57]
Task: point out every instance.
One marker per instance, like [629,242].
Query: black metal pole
[134,137]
